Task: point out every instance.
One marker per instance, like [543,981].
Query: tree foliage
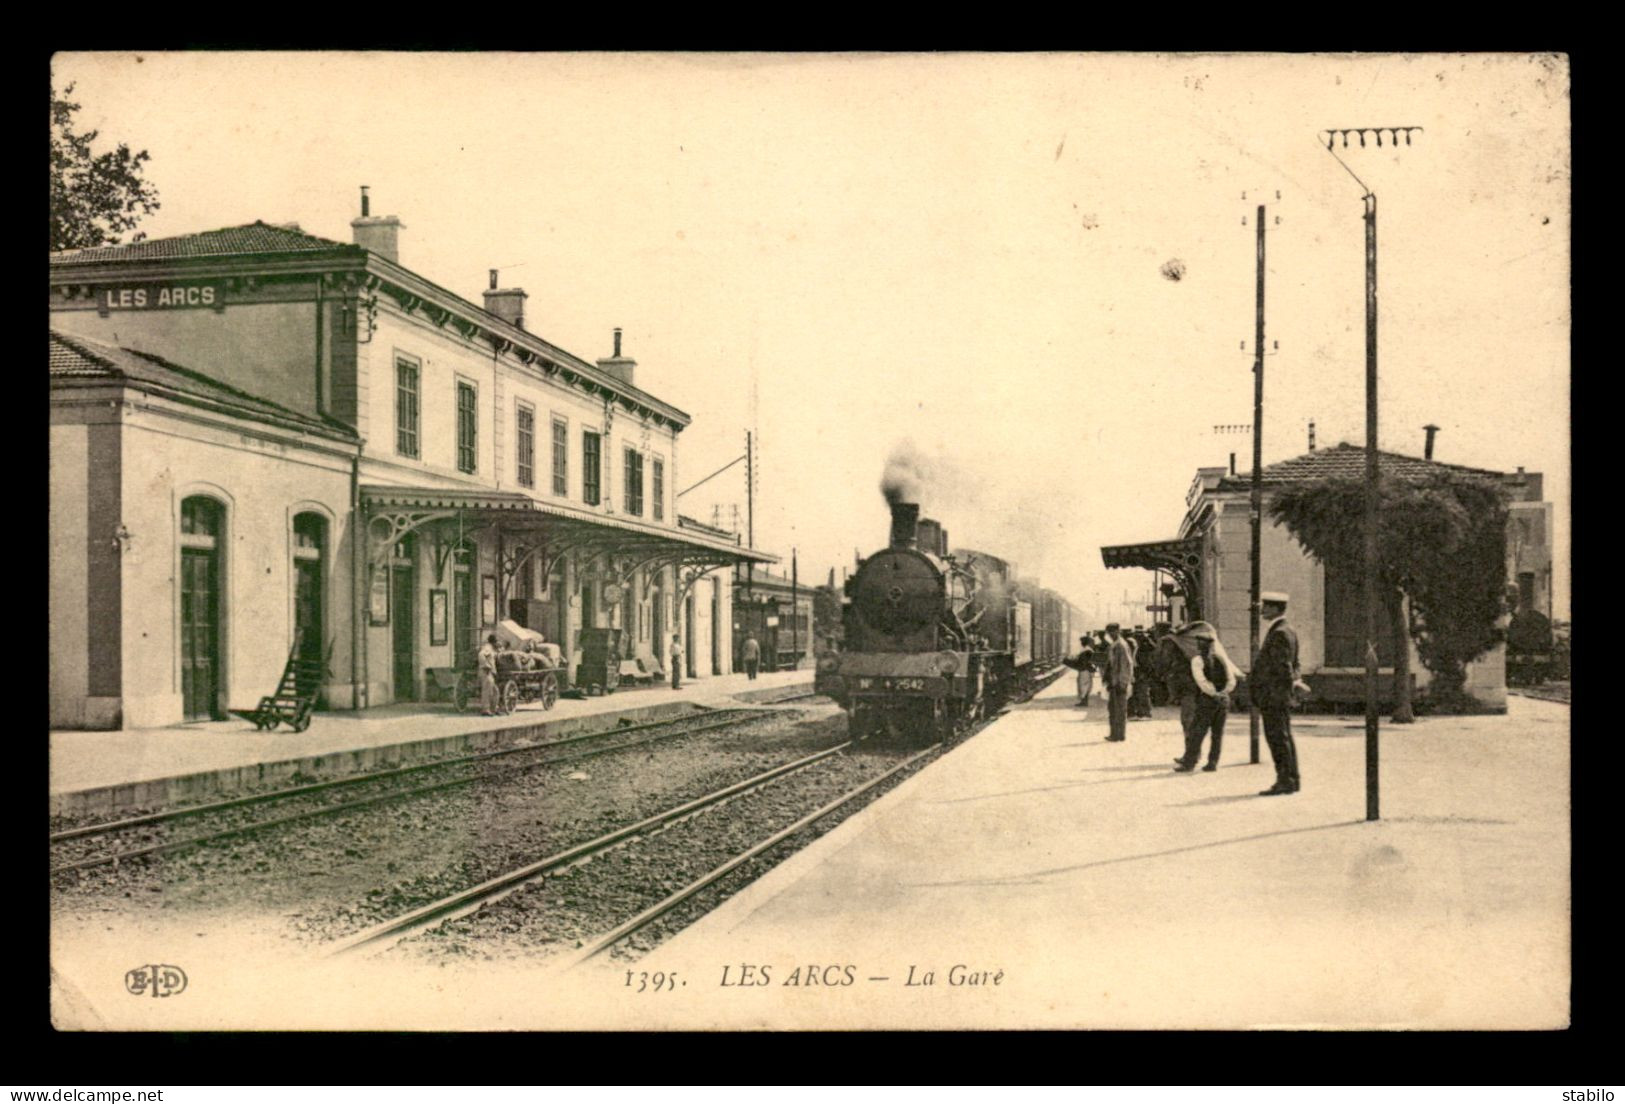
[95,197]
[1441,543]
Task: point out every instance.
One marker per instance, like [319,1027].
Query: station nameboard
[161,296]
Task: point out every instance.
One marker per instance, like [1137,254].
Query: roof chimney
[1311,435]
[1232,463]
[377,235]
[622,368]
[1427,450]
[507,304]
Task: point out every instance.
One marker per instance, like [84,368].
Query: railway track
[466,770]
[649,915]
[391,932]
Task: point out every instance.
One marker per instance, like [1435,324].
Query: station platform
[1039,877]
[114,771]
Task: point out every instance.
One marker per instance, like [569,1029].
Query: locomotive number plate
[917,685]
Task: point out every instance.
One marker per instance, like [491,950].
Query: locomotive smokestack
[905,524]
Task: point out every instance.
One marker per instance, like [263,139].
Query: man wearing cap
[1275,679]
[1119,682]
[1212,680]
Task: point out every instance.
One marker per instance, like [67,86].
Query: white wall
[262,484]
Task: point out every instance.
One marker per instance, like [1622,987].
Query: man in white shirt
[1215,678]
[676,662]
[487,662]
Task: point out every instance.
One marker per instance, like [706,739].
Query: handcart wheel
[550,691]
[510,696]
[463,694]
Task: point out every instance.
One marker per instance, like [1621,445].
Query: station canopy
[526,530]
[1180,558]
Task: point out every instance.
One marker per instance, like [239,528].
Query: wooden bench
[632,670]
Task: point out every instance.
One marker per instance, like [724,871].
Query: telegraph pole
[1256,510]
[750,491]
[1372,512]
[1372,811]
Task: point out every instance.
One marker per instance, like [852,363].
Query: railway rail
[603,741]
[393,932]
[654,912]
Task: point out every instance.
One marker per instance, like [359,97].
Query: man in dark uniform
[1119,679]
[1140,701]
[1274,682]
[1159,666]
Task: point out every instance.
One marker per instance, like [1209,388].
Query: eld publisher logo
[159,981]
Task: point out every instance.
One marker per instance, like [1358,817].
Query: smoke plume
[987,504]
[907,474]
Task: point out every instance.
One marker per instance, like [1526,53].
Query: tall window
[634,482]
[525,439]
[467,427]
[561,456]
[659,489]
[1344,619]
[406,407]
[589,468]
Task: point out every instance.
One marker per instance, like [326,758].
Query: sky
[963,256]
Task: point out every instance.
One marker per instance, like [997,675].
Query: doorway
[200,608]
[403,621]
[309,587]
[464,622]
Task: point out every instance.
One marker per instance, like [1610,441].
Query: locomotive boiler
[934,640]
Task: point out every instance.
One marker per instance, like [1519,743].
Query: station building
[263,438]
[1210,561]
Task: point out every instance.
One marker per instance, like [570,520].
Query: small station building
[1210,565]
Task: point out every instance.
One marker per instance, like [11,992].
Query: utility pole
[750,511]
[1372,513]
[750,490]
[795,613]
[1372,811]
[1255,512]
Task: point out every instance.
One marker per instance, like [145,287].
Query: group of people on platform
[1189,665]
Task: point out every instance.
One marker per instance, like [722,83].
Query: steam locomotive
[932,639]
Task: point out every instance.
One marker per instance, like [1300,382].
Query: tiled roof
[1345,461]
[76,358]
[255,238]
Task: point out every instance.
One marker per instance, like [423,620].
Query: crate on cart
[530,670]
